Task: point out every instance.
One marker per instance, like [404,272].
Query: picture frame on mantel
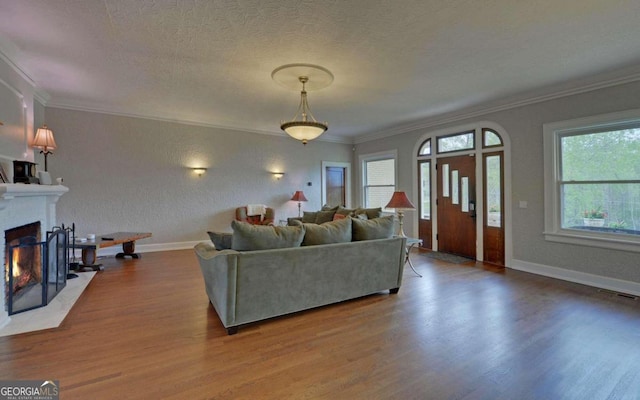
[3,175]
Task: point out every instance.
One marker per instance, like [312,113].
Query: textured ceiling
[396,63]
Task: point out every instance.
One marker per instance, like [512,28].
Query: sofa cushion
[222,240]
[324,216]
[330,232]
[349,212]
[370,212]
[337,216]
[248,237]
[308,216]
[291,221]
[376,228]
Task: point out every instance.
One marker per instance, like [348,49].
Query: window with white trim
[592,181]
[378,179]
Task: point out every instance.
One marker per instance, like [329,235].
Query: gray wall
[524,126]
[133,174]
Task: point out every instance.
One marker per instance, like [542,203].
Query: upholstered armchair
[259,219]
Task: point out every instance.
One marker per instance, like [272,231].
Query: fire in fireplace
[35,271]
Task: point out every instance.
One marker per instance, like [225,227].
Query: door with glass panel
[424,204]
[493,189]
[457,205]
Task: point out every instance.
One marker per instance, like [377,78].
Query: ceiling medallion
[303,126]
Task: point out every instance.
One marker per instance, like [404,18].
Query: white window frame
[384,155]
[552,132]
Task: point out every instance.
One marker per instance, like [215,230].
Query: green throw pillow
[370,212]
[222,240]
[376,228]
[308,216]
[338,231]
[248,237]
[324,216]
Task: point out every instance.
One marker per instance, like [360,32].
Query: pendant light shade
[303,126]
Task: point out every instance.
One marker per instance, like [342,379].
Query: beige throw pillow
[376,228]
[248,237]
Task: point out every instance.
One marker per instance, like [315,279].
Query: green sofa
[249,286]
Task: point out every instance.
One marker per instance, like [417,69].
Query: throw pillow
[308,216]
[329,208]
[345,211]
[324,216]
[293,221]
[337,216]
[376,228]
[330,232]
[370,212]
[222,240]
[248,237]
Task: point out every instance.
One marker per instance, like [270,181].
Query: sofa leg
[232,331]
[394,290]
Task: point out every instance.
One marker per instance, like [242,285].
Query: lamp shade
[399,201]
[304,130]
[298,196]
[44,139]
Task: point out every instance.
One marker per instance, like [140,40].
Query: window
[490,138]
[456,142]
[425,149]
[592,181]
[379,179]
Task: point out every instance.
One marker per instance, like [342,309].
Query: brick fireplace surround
[21,204]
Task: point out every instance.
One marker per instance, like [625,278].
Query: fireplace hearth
[35,270]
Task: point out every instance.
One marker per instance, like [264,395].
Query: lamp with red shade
[299,197]
[400,203]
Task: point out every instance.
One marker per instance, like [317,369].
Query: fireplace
[35,270]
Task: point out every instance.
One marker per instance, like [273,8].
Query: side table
[410,244]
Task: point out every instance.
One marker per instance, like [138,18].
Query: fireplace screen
[35,271]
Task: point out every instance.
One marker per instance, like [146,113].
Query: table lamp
[44,140]
[400,203]
[299,197]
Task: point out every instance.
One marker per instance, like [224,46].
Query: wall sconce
[277,175]
[199,171]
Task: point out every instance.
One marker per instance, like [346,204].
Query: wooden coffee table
[127,239]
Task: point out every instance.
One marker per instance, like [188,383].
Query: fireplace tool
[71,250]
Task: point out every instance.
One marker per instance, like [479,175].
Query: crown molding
[514,102]
[323,138]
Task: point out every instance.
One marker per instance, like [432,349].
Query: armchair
[260,219]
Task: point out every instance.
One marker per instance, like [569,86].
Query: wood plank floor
[143,329]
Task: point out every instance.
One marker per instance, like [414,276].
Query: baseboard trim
[603,282]
[145,248]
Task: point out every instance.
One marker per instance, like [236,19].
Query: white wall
[17,114]
[132,174]
[524,125]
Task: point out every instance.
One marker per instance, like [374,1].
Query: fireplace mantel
[9,191]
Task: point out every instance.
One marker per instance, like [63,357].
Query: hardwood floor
[143,329]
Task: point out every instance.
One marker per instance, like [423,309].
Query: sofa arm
[219,270]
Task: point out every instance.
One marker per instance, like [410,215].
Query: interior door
[456,205]
[335,186]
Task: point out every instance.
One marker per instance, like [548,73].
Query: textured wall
[524,126]
[133,174]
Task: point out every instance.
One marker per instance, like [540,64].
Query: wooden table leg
[128,249]
[89,260]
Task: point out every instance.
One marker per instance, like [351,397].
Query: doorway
[462,180]
[457,205]
[336,184]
